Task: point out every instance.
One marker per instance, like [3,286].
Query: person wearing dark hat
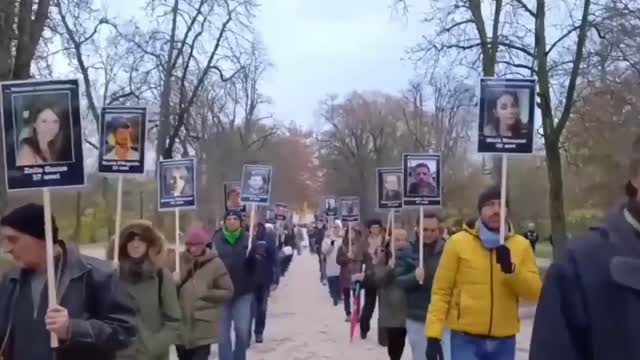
[232,245]
[123,144]
[478,286]
[589,305]
[94,317]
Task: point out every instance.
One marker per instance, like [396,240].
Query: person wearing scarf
[232,245]
[590,302]
[478,286]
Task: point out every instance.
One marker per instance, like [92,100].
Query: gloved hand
[434,349]
[503,258]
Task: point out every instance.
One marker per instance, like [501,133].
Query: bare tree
[192,40]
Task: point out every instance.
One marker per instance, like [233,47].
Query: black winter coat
[590,303]
[100,310]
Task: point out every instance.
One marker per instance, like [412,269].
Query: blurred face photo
[422,174]
[391,183]
[47,125]
[176,180]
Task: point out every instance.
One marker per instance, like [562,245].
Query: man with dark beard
[590,306]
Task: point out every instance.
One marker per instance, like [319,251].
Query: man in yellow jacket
[478,286]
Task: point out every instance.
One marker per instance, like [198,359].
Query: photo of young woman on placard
[43,129]
[506,121]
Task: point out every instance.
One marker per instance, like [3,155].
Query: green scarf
[232,237]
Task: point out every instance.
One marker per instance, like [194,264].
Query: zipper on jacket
[491,285]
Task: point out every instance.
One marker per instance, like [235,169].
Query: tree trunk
[76,231]
[556,199]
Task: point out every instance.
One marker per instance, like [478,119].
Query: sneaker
[363,335]
[335,302]
[259,339]
[348,319]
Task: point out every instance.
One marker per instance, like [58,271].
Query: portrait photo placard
[389,188]
[232,201]
[256,184]
[122,140]
[507,116]
[422,184]
[282,210]
[350,208]
[42,132]
[176,184]
[330,206]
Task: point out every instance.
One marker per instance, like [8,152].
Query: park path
[302,323]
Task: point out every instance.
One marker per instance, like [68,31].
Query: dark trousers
[370,296]
[259,309]
[346,298]
[334,288]
[197,353]
[396,339]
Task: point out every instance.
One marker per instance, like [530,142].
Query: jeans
[417,339]
[396,338]
[322,261]
[197,353]
[236,313]
[334,288]
[370,296]
[259,309]
[346,298]
[467,347]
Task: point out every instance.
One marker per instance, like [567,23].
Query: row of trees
[197,64]
[584,54]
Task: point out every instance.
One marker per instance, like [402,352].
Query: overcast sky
[332,46]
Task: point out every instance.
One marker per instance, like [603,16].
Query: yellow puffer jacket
[471,294]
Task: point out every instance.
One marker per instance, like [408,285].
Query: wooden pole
[51,275]
[116,237]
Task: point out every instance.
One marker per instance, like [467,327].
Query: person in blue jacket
[267,278]
[590,303]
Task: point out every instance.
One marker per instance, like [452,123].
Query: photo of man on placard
[391,188]
[232,196]
[177,184]
[256,184]
[423,178]
[122,137]
[178,181]
[330,206]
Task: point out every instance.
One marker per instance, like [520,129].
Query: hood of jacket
[156,243]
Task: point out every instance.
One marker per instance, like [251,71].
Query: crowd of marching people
[461,302]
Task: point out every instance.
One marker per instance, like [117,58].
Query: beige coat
[204,286]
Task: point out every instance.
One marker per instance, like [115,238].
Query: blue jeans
[236,313]
[334,288]
[259,309]
[418,340]
[467,347]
